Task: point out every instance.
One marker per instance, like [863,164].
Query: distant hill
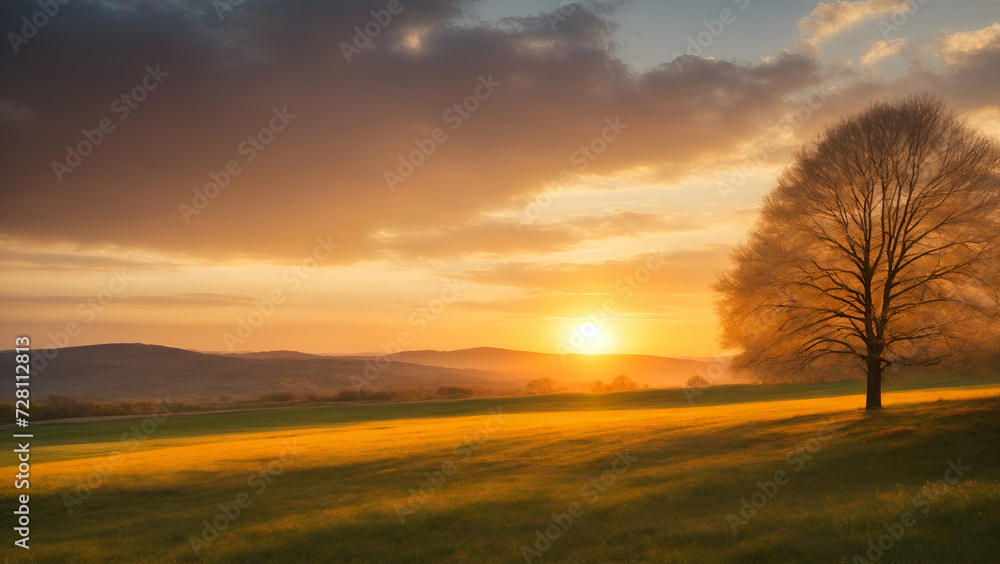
[126,372]
[574,369]
[275,354]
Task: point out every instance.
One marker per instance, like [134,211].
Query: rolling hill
[126,372]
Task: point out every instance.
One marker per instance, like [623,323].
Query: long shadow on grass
[198,425]
[816,518]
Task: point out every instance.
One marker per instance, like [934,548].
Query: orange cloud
[958,48]
[830,19]
[883,49]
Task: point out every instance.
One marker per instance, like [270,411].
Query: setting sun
[590,337]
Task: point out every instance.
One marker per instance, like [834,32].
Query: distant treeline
[404,394]
[58,406]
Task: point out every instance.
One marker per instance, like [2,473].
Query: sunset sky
[593,162]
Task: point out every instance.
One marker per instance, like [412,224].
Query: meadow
[796,473]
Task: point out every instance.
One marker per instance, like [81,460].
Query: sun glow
[589,337]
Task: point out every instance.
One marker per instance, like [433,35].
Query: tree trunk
[874,400]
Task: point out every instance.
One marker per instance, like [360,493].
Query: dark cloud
[324,174]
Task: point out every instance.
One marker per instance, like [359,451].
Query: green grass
[334,502]
[186,425]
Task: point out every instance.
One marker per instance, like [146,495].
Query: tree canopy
[877,246]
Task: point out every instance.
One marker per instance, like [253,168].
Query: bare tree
[544,385]
[622,382]
[698,381]
[878,245]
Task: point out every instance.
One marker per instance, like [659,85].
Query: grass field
[631,477]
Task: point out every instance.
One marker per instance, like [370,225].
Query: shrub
[541,386]
[622,382]
[698,381]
